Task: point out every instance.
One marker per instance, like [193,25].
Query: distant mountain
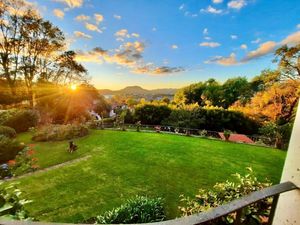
[137,90]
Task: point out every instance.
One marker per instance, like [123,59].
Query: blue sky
[172,43]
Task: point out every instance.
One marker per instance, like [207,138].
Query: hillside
[137,90]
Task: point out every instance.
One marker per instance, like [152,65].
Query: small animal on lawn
[72,147]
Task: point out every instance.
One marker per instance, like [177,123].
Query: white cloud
[217,1]
[174,46]
[236,4]
[122,33]
[154,29]
[298,26]
[224,61]
[207,38]
[205,31]
[92,27]
[82,17]
[256,41]
[292,39]
[98,17]
[118,17]
[58,13]
[135,35]
[128,55]
[181,7]
[233,37]
[244,46]
[71,3]
[212,10]
[263,49]
[80,34]
[210,44]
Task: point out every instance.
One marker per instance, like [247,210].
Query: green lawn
[124,164]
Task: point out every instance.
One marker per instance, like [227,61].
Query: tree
[276,103]
[32,48]
[266,79]
[235,89]
[212,94]
[11,46]
[288,59]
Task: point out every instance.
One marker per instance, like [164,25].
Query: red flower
[30,152]
[11,162]
[34,166]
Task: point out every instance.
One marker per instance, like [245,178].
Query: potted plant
[226,134]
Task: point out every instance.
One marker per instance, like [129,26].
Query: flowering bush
[25,162]
[223,193]
[9,148]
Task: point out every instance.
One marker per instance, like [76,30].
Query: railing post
[273,208]
[238,217]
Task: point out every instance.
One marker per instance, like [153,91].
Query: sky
[172,43]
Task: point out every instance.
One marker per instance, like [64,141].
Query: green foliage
[108,120]
[25,162]
[235,89]
[227,134]
[212,93]
[137,210]
[288,61]
[278,135]
[60,132]
[226,192]
[266,79]
[22,120]
[8,131]
[102,107]
[12,204]
[152,114]
[212,119]
[7,114]
[9,148]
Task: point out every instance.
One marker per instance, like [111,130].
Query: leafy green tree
[152,114]
[266,79]
[212,94]
[235,89]
[288,59]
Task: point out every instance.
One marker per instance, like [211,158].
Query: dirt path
[52,167]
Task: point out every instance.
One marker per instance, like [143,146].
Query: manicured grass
[124,164]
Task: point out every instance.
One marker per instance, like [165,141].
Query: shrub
[6,114]
[152,114]
[11,204]
[22,120]
[9,148]
[25,162]
[137,210]
[211,119]
[108,120]
[223,193]
[8,132]
[60,132]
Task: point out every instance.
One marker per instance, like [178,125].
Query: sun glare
[73,87]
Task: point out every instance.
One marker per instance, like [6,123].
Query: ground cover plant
[121,165]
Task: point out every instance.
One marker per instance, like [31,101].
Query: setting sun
[73,87]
